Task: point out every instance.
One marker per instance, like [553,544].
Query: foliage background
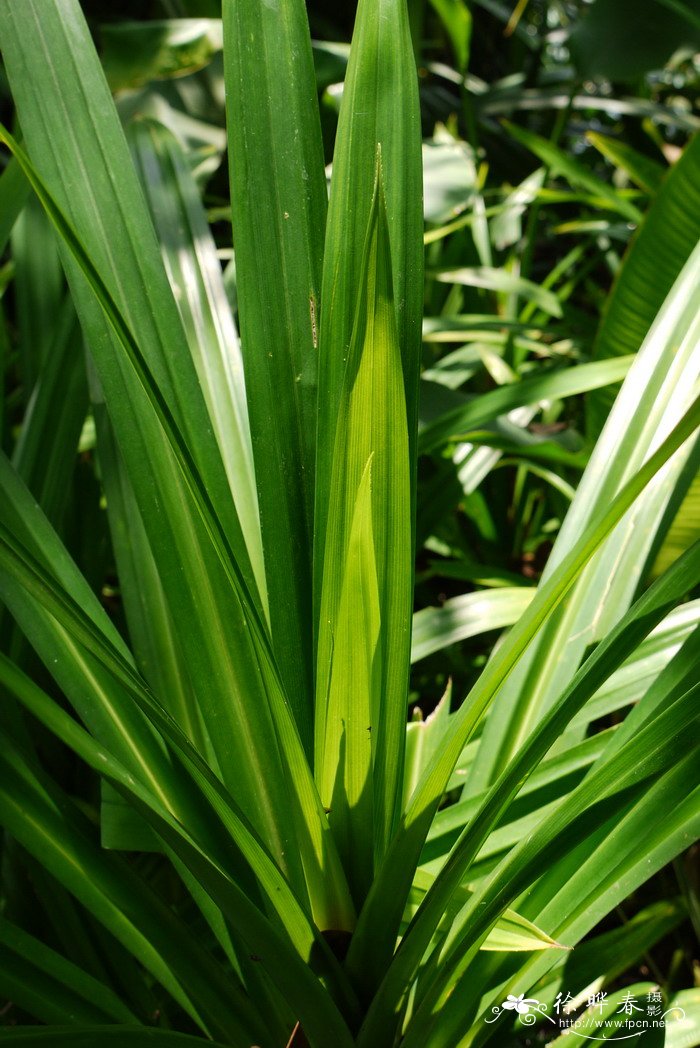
[550,132]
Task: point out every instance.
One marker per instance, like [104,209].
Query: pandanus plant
[276,858]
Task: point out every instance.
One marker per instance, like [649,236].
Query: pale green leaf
[370,428]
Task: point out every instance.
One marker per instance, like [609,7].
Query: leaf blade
[371,437]
[379,108]
[274,130]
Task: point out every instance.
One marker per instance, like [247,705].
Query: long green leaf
[178,509]
[379,108]
[502,282]
[47,445]
[345,747]
[368,536]
[645,172]
[564,382]
[39,287]
[104,708]
[604,867]
[643,616]
[577,889]
[218,622]
[320,863]
[656,391]
[47,825]
[278,202]
[174,792]
[45,452]
[375,935]
[290,969]
[157,653]
[512,933]
[467,616]
[151,630]
[194,271]
[653,749]
[577,174]
[49,987]
[664,242]
[684,530]
[677,674]
[73,133]
[553,777]
[602,958]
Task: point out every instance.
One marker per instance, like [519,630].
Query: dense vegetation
[349,522]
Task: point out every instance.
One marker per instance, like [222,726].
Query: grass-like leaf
[207,583]
[391,887]
[367,564]
[666,239]
[278,200]
[329,895]
[380,109]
